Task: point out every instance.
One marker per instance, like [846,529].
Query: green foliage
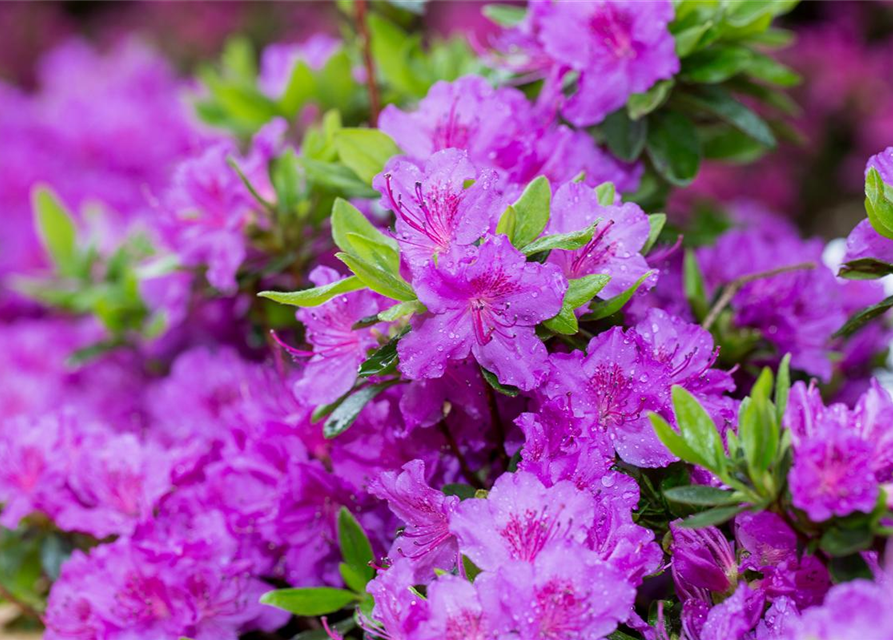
[356,551]
[365,151]
[863,317]
[605,308]
[315,296]
[525,220]
[348,408]
[879,203]
[315,601]
[56,230]
[569,241]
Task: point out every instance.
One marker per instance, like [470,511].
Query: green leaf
[581,290]
[716,64]
[301,87]
[656,222]
[757,427]
[624,136]
[355,547]
[383,360]
[712,517]
[336,178]
[605,308]
[463,491]
[673,147]
[721,103]
[863,317]
[56,230]
[471,569]
[689,39]
[377,279]
[767,69]
[365,151]
[865,269]
[837,541]
[285,175]
[347,219]
[783,387]
[505,15]
[402,309]
[606,193]
[315,296]
[693,285]
[850,567]
[702,495]
[315,601]
[674,442]
[877,205]
[345,413]
[724,142]
[392,49]
[493,381]
[567,241]
[525,220]
[698,429]
[641,104]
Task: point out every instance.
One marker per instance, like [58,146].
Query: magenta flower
[483,301]
[456,612]
[519,519]
[424,403]
[338,349]
[704,562]
[434,210]
[426,541]
[883,162]
[398,611]
[615,246]
[279,59]
[865,242]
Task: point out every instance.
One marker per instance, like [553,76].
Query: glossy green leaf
[345,413]
[314,601]
[723,105]
[767,69]
[525,220]
[401,310]
[863,317]
[702,495]
[624,136]
[865,269]
[674,442]
[641,104]
[493,381]
[605,308]
[377,279]
[656,222]
[673,147]
[384,359]
[606,193]
[566,241]
[347,219]
[716,64]
[693,285]
[365,151]
[698,429]
[315,296]
[355,547]
[877,205]
[712,517]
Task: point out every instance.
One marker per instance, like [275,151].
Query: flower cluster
[385,340]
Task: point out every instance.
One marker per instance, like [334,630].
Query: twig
[735,286]
[368,62]
[467,473]
[26,609]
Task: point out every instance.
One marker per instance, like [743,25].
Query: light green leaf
[581,290]
[702,495]
[377,279]
[693,285]
[566,241]
[365,151]
[606,308]
[355,547]
[606,193]
[656,222]
[300,89]
[767,69]
[641,104]
[336,178]
[315,296]
[711,517]
[401,309]
[783,387]
[565,322]
[525,220]
[716,64]
[698,429]
[315,601]
[674,442]
[877,205]
[56,229]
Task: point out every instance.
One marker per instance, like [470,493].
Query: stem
[467,473]
[368,62]
[24,608]
[735,286]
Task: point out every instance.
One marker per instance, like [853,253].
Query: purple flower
[618,49]
[851,611]
[519,519]
[398,611]
[485,301]
[434,210]
[338,349]
[883,163]
[615,246]
[614,387]
[460,389]
[426,541]
[565,593]
[733,618]
[456,612]
[704,562]
[840,456]
[864,242]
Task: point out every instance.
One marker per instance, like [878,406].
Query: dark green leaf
[605,308]
[865,269]
[712,517]
[702,495]
[769,70]
[493,381]
[693,285]
[721,103]
[838,542]
[336,178]
[624,136]
[863,317]
[463,491]
[365,151]
[383,360]
[316,601]
[471,569]
[673,147]
[345,413]
[716,64]
[851,567]
[315,296]
[355,547]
